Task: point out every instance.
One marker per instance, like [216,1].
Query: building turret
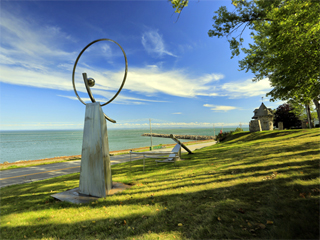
[263,119]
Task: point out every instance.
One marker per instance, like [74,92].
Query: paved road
[36,173]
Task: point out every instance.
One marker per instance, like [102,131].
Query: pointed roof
[262,111]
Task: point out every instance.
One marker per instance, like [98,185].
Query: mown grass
[255,185]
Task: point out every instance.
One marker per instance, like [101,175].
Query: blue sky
[177,75]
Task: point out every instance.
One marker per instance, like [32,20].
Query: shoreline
[78,157]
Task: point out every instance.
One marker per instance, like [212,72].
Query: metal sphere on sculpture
[90,82]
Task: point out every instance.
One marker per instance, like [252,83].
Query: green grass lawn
[253,185]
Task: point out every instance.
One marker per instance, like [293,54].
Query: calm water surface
[32,145]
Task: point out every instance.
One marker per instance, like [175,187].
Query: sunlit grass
[260,185]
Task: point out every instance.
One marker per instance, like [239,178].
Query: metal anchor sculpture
[95,172]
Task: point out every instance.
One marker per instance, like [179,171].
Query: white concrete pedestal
[95,172]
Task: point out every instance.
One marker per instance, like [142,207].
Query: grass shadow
[223,191]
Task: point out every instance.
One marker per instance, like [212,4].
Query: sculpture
[95,172]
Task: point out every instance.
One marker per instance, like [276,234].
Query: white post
[150,132]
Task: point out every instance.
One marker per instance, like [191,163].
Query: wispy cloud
[186,47]
[30,55]
[174,82]
[149,82]
[177,113]
[41,79]
[247,88]
[220,107]
[121,99]
[153,43]
[26,44]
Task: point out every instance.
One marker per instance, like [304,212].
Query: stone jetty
[191,137]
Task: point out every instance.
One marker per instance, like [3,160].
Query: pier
[191,137]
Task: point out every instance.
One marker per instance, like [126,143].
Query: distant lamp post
[150,133]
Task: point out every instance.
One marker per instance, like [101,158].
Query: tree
[284,113]
[286,50]
[286,43]
[302,112]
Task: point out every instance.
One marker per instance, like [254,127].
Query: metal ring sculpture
[89,82]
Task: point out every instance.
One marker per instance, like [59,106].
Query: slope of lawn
[253,185]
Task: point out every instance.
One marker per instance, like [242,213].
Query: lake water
[33,145]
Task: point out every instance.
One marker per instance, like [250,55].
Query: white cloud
[152,66]
[210,77]
[30,56]
[209,94]
[220,107]
[153,43]
[175,83]
[106,49]
[247,88]
[186,47]
[148,82]
[121,99]
[273,105]
[177,113]
[34,78]
[26,44]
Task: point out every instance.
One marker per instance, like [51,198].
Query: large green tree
[286,43]
[303,113]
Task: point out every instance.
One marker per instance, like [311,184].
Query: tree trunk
[317,104]
[308,115]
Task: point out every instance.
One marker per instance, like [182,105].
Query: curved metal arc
[125,74]
[76,62]
[109,119]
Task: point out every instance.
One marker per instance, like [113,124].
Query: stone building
[263,119]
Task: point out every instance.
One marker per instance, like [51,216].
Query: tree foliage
[284,113]
[286,43]
[300,111]
[179,4]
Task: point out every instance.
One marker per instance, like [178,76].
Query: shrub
[238,130]
[223,136]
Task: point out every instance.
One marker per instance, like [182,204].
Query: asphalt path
[41,172]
